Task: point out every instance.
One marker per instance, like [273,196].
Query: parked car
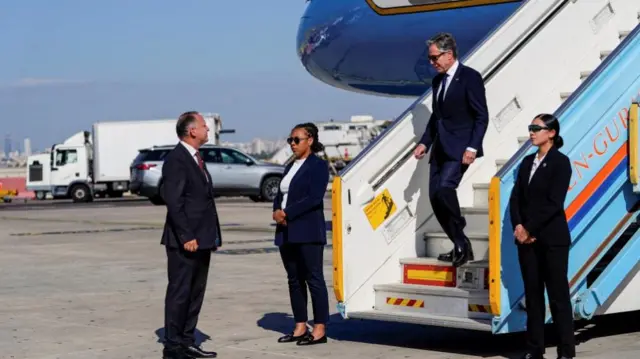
[233,173]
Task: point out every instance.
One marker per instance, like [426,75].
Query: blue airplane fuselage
[347,44]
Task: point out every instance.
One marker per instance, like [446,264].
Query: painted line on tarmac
[81,231]
[245,251]
[231,227]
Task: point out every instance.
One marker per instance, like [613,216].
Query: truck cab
[70,164]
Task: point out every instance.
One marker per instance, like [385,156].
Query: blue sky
[69,63]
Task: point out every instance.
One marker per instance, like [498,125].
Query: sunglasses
[537,128]
[435,58]
[295,140]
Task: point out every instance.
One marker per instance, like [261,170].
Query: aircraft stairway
[579,60]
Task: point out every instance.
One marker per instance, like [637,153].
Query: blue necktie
[443,87]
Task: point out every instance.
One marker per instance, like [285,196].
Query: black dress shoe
[308,340]
[290,338]
[461,255]
[469,249]
[175,353]
[532,356]
[446,257]
[195,351]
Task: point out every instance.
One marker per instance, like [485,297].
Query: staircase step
[480,194]
[477,220]
[432,273]
[522,140]
[623,34]
[501,162]
[450,302]
[435,262]
[585,74]
[424,319]
[438,242]
[565,95]
[604,54]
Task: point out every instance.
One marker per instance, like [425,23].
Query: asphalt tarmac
[88,281]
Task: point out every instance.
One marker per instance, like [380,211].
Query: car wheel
[269,189]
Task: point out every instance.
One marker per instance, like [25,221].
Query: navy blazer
[305,204]
[191,209]
[539,205]
[463,118]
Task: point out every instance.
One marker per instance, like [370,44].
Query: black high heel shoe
[290,338]
[308,340]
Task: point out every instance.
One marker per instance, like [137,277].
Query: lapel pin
[544,164]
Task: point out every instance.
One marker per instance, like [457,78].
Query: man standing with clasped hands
[191,233]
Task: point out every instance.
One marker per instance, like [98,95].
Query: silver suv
[233,173]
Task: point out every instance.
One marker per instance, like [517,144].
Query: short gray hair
[185,122]
[444,41]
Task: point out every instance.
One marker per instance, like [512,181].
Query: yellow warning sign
[381,208]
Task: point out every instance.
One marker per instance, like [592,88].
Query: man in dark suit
[191,233]
[454,134]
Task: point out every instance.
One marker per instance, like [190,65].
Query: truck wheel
[80,193]
[41,195]
[269,188]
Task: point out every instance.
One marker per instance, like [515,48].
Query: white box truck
[90,164]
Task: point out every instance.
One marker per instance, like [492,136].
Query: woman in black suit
[301,233]
[543,237]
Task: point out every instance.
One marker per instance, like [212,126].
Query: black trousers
[541,266]
[187,274]
[444,178]
[303,263]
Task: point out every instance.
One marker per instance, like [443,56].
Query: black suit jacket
[463,118]
[539,205]
[191,209]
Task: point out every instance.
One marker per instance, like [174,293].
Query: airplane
[379,46]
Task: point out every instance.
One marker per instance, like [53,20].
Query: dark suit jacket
[191,209]
[462,120]
[305,204]
[539,205]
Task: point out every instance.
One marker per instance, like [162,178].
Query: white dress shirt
[534,166]
[193,152]
[450,75]
[285,183]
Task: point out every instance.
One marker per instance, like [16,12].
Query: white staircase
[571,39]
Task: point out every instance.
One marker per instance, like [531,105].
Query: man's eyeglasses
[537,128]
[295,140]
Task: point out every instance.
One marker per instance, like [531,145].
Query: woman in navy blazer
[301,233]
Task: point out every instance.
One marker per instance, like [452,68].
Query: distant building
[7,146]
[27,147]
